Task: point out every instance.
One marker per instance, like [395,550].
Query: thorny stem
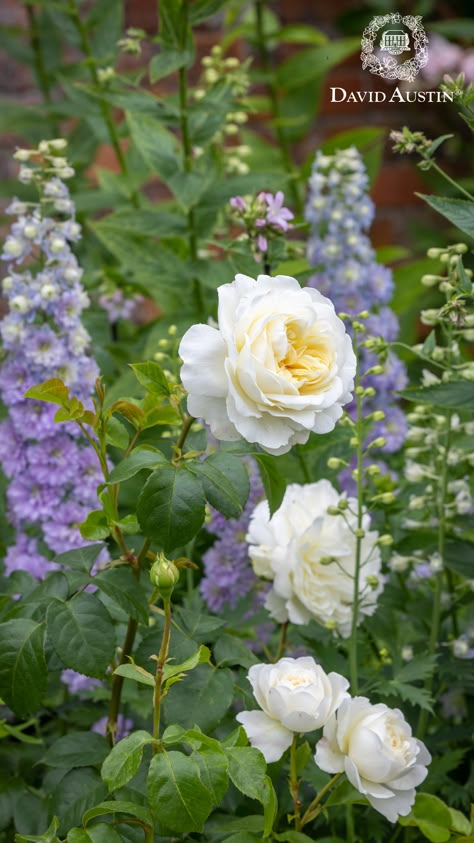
[272,90]
[353,663]
[438,589]
[315,807]
[162,656]
[104,106]
[117,681]
[294,784]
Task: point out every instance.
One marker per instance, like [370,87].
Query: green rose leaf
[273,481]
[82,633]
[119,807]
[432,816]
[137,674]
[79,790]
[225,482]
[211,692]
[213,771]
[100,833]
[230,650]
[270,806]
[176,793]
[171,507]
[81,559]
[139,459]
[23,671]
[77,749]
[50,836]
[152,377]
[95,527]
[124,759]
[247,769]
[201,656]
[123,588]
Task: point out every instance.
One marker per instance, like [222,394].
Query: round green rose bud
[164,575]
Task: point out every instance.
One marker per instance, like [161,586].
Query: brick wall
[398,180]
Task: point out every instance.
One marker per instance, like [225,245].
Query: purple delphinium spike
[228,574]
[340,212]
[43,337]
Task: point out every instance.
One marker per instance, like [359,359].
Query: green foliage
[23,668]
[456,395]
[460,212]
[176,792]
[77,749]
[82,633]
[124,759]
[170,508]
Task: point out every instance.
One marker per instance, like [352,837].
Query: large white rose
[279,366]
[293,547]
[295,695]
[374,746]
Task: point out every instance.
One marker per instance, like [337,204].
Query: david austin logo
[386,39]
[393,35]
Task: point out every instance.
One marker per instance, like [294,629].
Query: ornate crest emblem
[395,40]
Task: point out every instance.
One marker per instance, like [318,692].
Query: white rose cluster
[372,744]
[278,366]
[310,556]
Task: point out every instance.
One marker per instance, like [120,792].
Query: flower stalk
[316,807]
[353,656]
[294,784]
[161,661]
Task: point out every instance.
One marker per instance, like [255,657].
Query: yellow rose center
[309,359]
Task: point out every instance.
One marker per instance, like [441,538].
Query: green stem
[282,641]
[86,48]
[117,682]
[303,464]
[149,834]
[294,784]
[162,656]
[451,181]
[187,158]
[350,831]
[187,423]
[273,93]
[315,807]
[38,60]
[438,589]
[353,660]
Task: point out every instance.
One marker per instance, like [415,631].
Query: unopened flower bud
[407,653]
[431,280]
[164,575]
[435,253]
[172,330]
[373,470]
[333,510]
[359,533]
[380,442]
[372,581]
[335,463]
[386,540]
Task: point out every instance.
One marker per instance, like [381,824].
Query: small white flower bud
[407,653]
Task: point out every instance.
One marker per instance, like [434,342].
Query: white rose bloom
[292,549]
[279,366]
[374,746]
[295,695]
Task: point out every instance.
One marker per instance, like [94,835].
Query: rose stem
[294,784]
[162,656]
[315,808]
[436,611]
[353,664]
[282,642]
[117,682]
